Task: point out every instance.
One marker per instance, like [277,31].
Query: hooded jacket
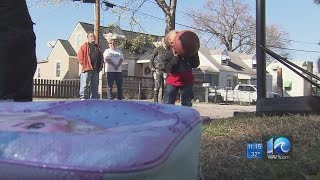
[179,69]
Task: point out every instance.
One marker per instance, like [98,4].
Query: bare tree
[316,1]
[133,6]
[229,23]
[277,40]
[169,10]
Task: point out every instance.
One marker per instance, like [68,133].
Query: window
[248,88]
[229,83]
[287,85]
[39,73]
[241,88]
[79,41]
[58,69]
[254,66]
[225,60]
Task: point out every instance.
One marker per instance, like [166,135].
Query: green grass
[223,148]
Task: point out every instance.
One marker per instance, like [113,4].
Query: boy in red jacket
[180,75]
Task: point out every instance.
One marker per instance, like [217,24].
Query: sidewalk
[216,111]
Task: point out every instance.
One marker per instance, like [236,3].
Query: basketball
[186,43]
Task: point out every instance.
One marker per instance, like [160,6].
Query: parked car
[241,93]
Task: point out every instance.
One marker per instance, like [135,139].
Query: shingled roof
[235,65]
[129,34]
[67,46]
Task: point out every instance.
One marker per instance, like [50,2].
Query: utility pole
[96,17]
[97,21]
[97,27]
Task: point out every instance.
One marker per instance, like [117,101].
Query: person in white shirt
[113,59]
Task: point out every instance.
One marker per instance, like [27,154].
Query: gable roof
[67,46]
[247,56]
[128,34]
[216,51]
[235,65]
[90,28]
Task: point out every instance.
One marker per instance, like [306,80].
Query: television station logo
[278,148]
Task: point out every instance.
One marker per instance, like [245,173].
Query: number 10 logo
[280,146]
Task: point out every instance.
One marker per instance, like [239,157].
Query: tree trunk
[170,22]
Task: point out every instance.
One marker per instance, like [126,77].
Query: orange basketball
[186,43]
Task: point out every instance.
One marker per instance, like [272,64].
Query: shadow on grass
[223,148]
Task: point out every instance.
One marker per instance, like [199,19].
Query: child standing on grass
[179,76]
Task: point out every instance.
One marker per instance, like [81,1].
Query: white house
[62,64]
[221,68]
[293,84]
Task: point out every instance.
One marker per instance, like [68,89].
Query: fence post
[226,102]
[41,87]
[139,95]
[215,94]
[207,94]
[35,87]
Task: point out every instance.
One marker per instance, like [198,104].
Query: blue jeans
[117,77]
[186,94]
[89,83]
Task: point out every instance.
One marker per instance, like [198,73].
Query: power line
[198,29]
[162,19]
[301,50]
[202,18]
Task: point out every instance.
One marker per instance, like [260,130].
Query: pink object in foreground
[98,139]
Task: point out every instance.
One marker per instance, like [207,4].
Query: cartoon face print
[42,122]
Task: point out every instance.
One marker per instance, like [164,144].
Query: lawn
[223,148]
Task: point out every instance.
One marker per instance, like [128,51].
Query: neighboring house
[62,64]
[227,69]
[217,67]
[293,84]
[144,63]
[221,68]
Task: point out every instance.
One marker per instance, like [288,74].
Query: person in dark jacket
[180,77]
[18,60]
[91,60]
[158,69]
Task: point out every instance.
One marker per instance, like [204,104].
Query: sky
[299,18]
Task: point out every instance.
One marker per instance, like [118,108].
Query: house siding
[73,72]
[298,87]
[48,69]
